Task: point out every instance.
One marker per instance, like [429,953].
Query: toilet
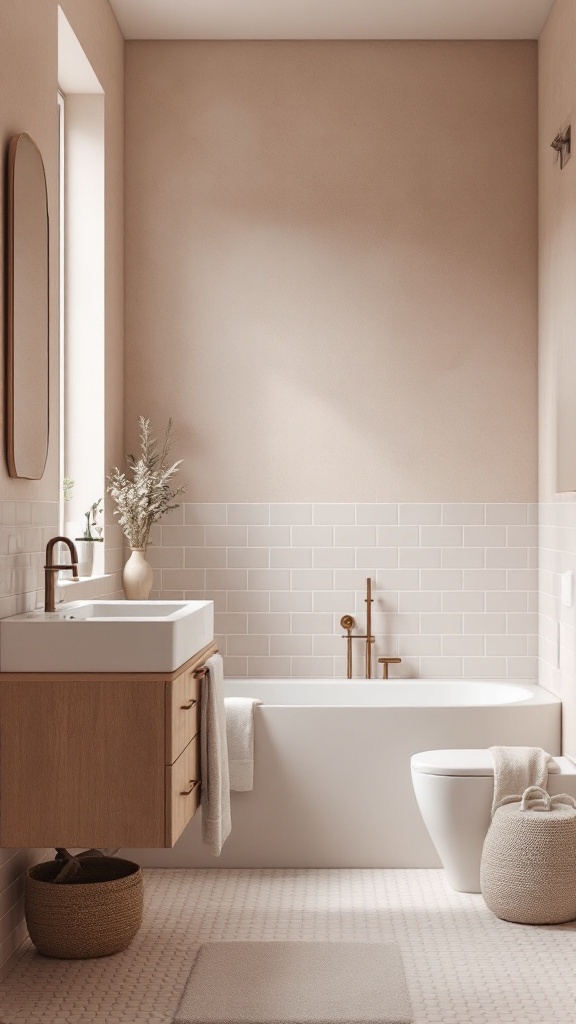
[454,790]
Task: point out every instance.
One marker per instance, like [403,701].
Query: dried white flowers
[143,500]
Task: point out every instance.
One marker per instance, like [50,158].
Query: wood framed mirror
[27,348]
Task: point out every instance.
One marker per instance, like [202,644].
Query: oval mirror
[27,311]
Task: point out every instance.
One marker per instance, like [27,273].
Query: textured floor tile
[463,966]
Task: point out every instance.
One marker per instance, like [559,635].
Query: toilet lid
[459,762]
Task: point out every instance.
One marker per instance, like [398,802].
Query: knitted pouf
[528,869]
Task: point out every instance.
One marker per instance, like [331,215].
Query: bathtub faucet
[385,662]
[347,622]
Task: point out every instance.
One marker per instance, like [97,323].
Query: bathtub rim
[538,695]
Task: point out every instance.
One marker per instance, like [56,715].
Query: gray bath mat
[296,983]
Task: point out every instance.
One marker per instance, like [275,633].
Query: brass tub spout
[385,662]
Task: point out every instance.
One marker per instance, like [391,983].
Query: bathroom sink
[106,636]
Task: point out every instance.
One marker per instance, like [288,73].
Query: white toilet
[454,790]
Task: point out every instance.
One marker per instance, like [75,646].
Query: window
[82,298]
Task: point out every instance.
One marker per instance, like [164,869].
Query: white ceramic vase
[137,576]
[85,549]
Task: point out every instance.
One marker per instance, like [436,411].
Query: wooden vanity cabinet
[99,760]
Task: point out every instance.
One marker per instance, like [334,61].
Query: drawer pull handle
[190,704]
[186,792]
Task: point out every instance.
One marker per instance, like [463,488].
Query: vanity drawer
[182,713]
[182,790]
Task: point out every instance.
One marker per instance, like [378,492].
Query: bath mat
[296,983]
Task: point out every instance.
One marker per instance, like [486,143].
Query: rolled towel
[215,791]
[515,770]
[240,735]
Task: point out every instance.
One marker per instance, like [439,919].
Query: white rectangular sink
[106,636]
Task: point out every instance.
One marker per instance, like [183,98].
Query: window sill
[84,579]
[100,587]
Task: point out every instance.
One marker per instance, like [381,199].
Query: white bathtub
[332,783]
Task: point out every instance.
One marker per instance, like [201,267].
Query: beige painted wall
[557,290]
[28,81]
[28,84]
[331,266]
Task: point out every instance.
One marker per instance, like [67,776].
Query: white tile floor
[463,966]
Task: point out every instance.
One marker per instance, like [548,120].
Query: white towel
[240,735]
[216,823]
[515,769]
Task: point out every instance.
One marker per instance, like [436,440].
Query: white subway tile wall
[13,867]
[25,529]
[455,586]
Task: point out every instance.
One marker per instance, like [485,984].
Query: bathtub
[332,784]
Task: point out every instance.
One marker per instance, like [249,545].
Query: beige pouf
[528,869]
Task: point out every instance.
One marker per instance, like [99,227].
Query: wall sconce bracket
[563,145]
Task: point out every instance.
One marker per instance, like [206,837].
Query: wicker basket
[528,869]
[95,913]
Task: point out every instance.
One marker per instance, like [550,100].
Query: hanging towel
[515,769]
[215,781]
[240,736]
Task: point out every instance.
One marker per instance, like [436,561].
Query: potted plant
[84,906]
[85,543]
[142,501]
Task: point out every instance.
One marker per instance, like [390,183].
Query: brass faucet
[50,570]
[347,623]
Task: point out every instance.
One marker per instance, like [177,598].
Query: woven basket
[528,869]
[96,913]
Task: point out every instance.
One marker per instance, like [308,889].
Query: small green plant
[91,524]
[67,487]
